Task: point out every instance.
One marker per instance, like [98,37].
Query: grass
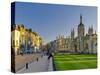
[74,62]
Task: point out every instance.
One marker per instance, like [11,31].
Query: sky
[51,20]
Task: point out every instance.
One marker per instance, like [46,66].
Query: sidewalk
[42,65]
[50,67]
[20,61]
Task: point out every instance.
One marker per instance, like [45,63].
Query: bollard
[37,59]
[26,65]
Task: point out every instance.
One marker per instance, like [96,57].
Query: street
[42,65]
[20,61]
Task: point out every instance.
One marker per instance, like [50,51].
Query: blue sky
[50,20]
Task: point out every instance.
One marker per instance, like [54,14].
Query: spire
[72,33]
[92,28]
[73,30]
[95,31]
[80,18]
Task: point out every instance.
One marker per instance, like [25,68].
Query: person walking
[49,56]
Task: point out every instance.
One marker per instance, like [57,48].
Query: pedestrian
[50,55]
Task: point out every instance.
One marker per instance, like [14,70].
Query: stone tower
[72,34]
[90,33]
[90,30]
[81,28]
[72,41]
[81,31]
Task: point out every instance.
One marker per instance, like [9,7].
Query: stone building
[84,42]
[62,44]
[81,31]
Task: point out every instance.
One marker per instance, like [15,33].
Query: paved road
[42,65]
[20,61]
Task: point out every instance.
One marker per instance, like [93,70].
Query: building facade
[82,43]
[15,39]
[24,41]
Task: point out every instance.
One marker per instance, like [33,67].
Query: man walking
[49,56]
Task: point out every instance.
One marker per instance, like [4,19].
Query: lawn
[74,62]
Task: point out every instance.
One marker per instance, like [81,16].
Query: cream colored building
[24,41]
[63,44]
[15,39]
